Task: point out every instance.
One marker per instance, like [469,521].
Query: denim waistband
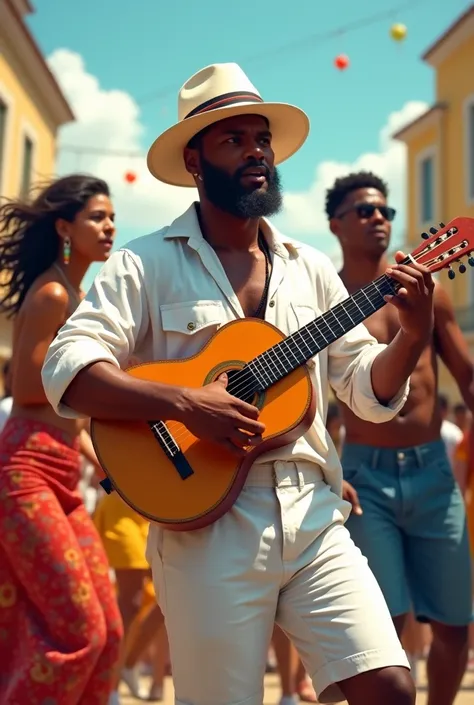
[421,455]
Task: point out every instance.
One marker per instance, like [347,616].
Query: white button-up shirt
[164,295]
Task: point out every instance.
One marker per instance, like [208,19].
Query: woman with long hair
[60,628]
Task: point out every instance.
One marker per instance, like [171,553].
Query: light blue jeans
[413,529]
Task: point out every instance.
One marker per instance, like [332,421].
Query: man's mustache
[241,171]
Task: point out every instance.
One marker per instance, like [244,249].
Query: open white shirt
[164,295]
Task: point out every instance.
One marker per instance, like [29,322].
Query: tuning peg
[451,272]
[470,261]
[441,225]
[425,236]
[462,268]
[433,230]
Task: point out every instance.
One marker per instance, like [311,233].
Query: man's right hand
[349,493]
[213,414]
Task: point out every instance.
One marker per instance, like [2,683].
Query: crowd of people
[343,545]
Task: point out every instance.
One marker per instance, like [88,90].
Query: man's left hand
[414,299]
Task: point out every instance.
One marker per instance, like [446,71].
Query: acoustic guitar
[184,483]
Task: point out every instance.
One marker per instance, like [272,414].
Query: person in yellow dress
[124,534]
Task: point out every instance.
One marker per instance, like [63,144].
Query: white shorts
[280,554]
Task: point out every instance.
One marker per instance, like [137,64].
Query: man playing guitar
[281,552]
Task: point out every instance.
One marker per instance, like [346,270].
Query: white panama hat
[215,93]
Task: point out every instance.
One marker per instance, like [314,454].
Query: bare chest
[248,275]
[384,324]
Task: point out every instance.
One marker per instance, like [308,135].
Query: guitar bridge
[171,448]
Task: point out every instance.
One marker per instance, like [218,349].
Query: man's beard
[227,192]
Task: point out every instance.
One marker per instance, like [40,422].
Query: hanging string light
[398,32]
[341,62]
[130,177]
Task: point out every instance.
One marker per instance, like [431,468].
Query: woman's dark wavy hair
[29,242]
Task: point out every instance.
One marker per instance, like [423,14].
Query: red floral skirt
[60,627]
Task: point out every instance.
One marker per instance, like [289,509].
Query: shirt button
[400,455]
[272,303]
[191,325]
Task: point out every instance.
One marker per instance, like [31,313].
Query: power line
[290,47]
[78,150]
[297,45]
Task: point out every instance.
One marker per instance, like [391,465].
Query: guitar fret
[286,357]
[317,324]
[344,317]
[262,370]
[302,338]
[312,338]
[295,340]
[355,301]
[287,344]
[276,361]
[366,301]
[332,313]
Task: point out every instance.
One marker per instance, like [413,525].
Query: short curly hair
[344,185]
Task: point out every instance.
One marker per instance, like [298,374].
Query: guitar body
[150,482]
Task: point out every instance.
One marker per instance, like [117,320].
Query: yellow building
[32,108]
[440,153]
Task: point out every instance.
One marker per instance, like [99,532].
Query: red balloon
[341,62]
[130,177]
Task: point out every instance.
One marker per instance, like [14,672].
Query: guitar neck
[292,352]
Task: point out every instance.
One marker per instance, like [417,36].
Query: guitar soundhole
[238,388]
[242,387]
[242,382]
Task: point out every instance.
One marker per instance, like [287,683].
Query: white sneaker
[156,693]
[131,678]
[289,700]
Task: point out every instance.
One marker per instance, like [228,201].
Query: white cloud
[110,119]
[304,211]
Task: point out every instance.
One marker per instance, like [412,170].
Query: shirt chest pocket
[187,326]
[302,315]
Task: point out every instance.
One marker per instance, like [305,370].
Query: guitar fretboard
[292,352]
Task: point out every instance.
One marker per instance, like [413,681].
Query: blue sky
[150,48]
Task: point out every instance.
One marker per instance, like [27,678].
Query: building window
[426,186]
[427,189]
[27,166]
[469,146]
[3,129]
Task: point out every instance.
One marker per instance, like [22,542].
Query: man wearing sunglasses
[408,514]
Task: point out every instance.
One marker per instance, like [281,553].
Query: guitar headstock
[447,244]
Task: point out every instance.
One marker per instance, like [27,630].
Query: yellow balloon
[398,32]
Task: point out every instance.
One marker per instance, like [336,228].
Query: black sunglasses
[366,210]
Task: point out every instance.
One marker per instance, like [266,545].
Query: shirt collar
[187,226]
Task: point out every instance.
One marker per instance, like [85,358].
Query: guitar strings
[248,377]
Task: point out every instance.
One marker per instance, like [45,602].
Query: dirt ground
[272,692]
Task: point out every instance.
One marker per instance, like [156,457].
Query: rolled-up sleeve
[104,327]
[350,362]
